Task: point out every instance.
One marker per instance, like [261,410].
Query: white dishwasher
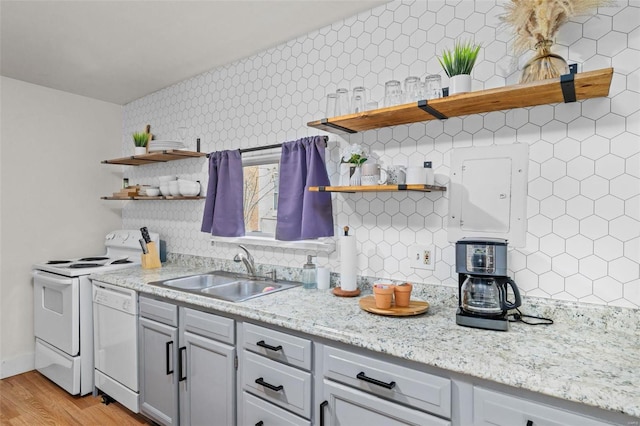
[115,330]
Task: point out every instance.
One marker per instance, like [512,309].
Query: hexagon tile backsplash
[583,240]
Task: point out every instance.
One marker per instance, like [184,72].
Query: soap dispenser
[309,274]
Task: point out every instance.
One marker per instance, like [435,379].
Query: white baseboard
[18,365]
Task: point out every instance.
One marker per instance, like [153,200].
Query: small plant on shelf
[140,139]
[461,59]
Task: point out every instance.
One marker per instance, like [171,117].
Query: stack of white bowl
[188,188]
[165,185]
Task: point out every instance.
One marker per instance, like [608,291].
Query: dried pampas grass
[536,21]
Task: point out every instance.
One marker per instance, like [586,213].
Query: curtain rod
[275,145]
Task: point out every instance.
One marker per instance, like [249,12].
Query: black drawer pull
[262,344]
[322,405]
[168,357]
[182,374]
[261,382]
[363,376]
[260,423]
[529,422]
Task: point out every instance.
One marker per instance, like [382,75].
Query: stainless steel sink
[226,285]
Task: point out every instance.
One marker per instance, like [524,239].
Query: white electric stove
[63,309]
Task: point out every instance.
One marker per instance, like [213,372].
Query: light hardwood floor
[32,399]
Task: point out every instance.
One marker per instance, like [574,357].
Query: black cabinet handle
[364,377]
[322,405]
[262,344]
[260,423]
[529,422]
[168,357]
[261,382]
[182,373]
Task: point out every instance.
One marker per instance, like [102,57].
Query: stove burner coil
[120,262]
[57,262]
[92,259]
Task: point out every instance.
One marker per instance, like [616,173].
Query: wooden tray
[416,307]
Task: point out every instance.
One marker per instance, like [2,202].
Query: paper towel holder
[338,291]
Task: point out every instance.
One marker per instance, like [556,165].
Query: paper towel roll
[348,263]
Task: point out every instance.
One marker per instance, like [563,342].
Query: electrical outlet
[422,256]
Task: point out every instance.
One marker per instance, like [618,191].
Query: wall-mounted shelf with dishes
[567,88]
[155,157]
[378,188]
[160,197]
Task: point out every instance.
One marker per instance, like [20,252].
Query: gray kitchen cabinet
[275,367]
[492,408]
[348,406]
[188,361]
[158,344]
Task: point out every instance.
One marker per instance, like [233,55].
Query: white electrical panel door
[488,193]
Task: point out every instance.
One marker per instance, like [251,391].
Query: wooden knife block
[151,260]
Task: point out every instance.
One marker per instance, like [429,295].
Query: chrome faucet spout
[247,260]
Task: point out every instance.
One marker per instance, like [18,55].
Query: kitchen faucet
[247,260]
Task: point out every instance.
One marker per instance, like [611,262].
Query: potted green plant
[458,63]
[140,140]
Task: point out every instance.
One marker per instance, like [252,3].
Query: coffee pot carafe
[483,284]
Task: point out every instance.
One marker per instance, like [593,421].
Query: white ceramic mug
[416,176]
[396,175]
[372,174]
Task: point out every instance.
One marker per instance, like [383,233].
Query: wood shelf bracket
[326,122]
[567,84]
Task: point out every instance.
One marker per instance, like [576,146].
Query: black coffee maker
[483,284]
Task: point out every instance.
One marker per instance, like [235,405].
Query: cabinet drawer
[497,409]
[273,344]
[157,310]
[256,410]
[292,386]
[208,325]
[415,388]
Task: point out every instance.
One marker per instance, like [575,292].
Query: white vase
[355,177]
[346,171]
[459,84]
[139,150]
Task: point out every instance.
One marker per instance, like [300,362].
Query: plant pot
[383,294]
[459,84]
[402,294]
[356,177]
[346,171]
[544,64]
[139,150]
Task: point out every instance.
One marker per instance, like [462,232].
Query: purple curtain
[223,210]
[303,214]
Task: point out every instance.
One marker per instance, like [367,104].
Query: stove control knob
[110,236]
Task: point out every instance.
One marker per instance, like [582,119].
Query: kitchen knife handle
[143,245]
[168,356]
[145,234]
[364,377]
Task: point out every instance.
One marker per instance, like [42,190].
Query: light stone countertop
[591,355]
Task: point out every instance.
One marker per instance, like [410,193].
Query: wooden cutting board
[416,307]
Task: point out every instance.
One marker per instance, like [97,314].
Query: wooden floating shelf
[567,88]
[378,188]
[169,197]
[155,157]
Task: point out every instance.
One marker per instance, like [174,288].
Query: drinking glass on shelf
[343,106]
[371,105]
[433,86]
[392,93]
[412,89]
[332,102]
[359,99]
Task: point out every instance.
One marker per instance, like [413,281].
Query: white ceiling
[119,51]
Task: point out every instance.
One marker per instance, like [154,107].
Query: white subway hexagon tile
[625,103]
[539,263]
[594,187]
[566,149]
[526,279]
[567,112]
[607,289]
[608,248]
[578,286]
[610,166]
[551,283]
[624,228]
[596,27]
[565,226]
[579,246]
[540,188]
[594,227]
[539,225]
[593,267]
[612,43]
[624,270]
[609,207]
[610,126]
[553,169]
[554,131]
[540,151]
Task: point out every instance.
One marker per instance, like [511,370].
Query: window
[261,174]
